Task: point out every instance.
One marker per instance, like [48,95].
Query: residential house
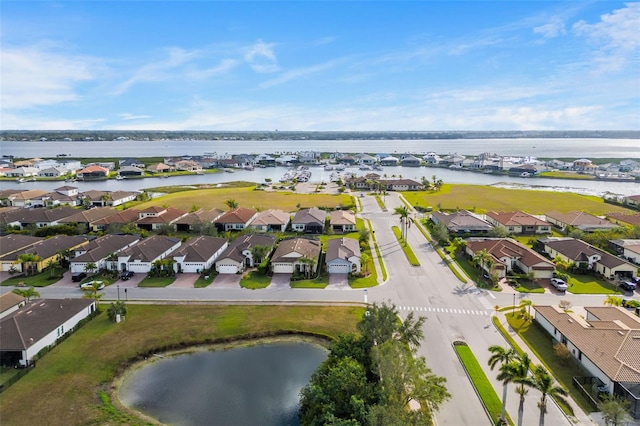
[584,165]
[431,158]
[191,221]
[342,221]
[519,222]
[140,257]
[509,255]
[12,243]
[452,161]
[131,162]
[580,220]
[102,252]
[47,250]
[155,217]
[402,185]
[188,165]
[10,302]
[236,219]
[54,172]
[107,198]
[367,159]
[410,161]
[624,219]
[93,173]
[64,195]
[627,248]
[129,171]
[88,217]
[114,221]
[605,342]
[38,325]
[272,220]
[632,201]
[390,161]
[462,222]
[22,172]
[586,256]
[38,218]
[198,253]
[25,198]
[523,170]
[309,221]
[239,255]
[299,255]
[265,160]
[343,256]
[160,168]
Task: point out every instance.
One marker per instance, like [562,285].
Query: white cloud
[35,76]
[261,58]
[298,73]
[552,29]
[615,37]
[127,116]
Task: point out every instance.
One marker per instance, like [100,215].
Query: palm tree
[503,356]
[518,370]
[458,245]
[231,203]
[90,267]
[613,301]
[93,292]
[258,253]
[27,293]
[544,382]
[26,261]
[481,258]
[403,212]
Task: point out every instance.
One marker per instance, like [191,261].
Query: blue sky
[312,65]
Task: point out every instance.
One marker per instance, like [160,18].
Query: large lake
[251,385]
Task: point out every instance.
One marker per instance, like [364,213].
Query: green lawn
[406,248]
[480,382]
[526,286]
[201,282]
[72,384]
[42,279]
[588,284]
[156,281]
[378,254]
[541,344]
[254,280]
[321,282]
[487,198]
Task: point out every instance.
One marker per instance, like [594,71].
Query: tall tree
[481,258]
[27,261]
[231,203]
[90,267]
[615,410]
[503,356]
[403,212]
[27,293]
[518,371]
[544,382]
[381,323]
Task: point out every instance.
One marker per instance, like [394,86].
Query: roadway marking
[444,310]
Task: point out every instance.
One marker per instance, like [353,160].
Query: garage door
[282,268]
[227,269]
[339,269]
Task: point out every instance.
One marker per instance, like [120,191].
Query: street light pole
[126,298]
[514,302]
[118,287]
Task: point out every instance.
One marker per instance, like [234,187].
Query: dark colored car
[126,275]
[76,277]
[628,285]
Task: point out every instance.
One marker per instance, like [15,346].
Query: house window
[580,355]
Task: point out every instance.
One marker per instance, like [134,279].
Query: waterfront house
[509,254]
[580,220]
[410,161]
[402,185]
[25,198]
[92,173]
[519,222]
[462,222]
[342,221]
[390,161]
[605,342]
[632,201]
[343,256]
[239,253]
[53,172]
[296,255]
[198,253]
[586,256]
[38,325]
[309,221]
[236,219]
[126,171]
[160,168]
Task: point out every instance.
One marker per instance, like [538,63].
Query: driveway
[280,281]
[184,280]
[338,282]
[226,281]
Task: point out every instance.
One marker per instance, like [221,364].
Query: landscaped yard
[488,198]
[247,197]
[320,282]
[71,383]
[201,282]
[588,284]
[254,280]
[42,279]
[156,281]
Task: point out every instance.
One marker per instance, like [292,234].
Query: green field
[66,386]
[247,197]
[488,198]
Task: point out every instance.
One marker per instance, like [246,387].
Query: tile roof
[312,215]
[462,220]
[237,215]
[168,215]
[89,216]
[28,325]
[631,219]
[506,247]
[42,215]
[580,220]
[150,248]
[611,342]
[103,246]
[342,248]
[342,217]
[579,251]
[49,247]
[288,250]
[271,217]
[13,242]
[9,300]
[204,216]
[246,242]
[121,217]
[199,249]
[517,218]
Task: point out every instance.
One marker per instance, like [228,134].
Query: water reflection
[241,386]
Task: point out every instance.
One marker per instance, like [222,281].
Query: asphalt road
[454,311]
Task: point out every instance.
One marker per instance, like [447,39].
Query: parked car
[126,275]
[628,285]
[88,285]
[559,284]
[76,277]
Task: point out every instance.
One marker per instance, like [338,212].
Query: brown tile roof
[30,194]
[13,242]
[462,220]
[238,215]
[610,344]
[579,251]
[199,249]
[204,216]
[28,325]
[312,215]
[517,218]
[122,217]
[342,248]
[168,215]
[342,217]
[9,300]
[271,217]
[93,169]
[246,242]
[89,216]
[630,219]
[27,216]
[49,247]
[288,250]
[102,247]
[579,219]
[506,247]
[150,248]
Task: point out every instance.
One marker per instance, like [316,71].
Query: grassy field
[247,197]
[566,175]
[488,198]
[68,384]
[481,383]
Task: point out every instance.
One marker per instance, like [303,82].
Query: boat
[525,174]
[229,171]
[21,180]
[328,167]
[119,177]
